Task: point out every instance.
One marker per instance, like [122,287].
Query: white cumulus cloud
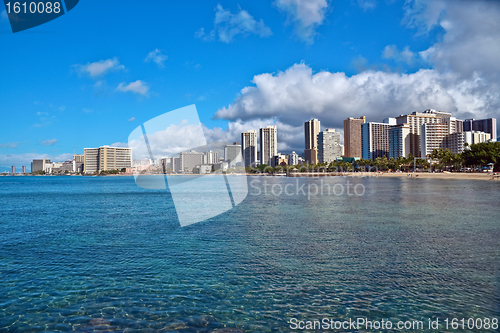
[298,94]
[228,25]
[157,57]
[137,87]
[471,42]
[49,142]
[306,16]
[99,68]
[9,145]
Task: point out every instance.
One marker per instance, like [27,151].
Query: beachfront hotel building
[189,160]
[352,136]
[482,125]
[439,136]
[106,158]
[210,157]
[375,139]
[249,148]
[399,141]
[429,116]
[329,146]
[435,136]
[311,131]
[268,144]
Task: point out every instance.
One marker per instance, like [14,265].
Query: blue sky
[91,76]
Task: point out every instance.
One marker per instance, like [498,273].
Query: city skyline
[420,56]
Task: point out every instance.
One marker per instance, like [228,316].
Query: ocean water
[93,254]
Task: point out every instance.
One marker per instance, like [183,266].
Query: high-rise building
[210,157]
[249,148]
[293,158]
[79,158]
[374,140]
[268,144]
[232,155]
[329,146]
[417,119]
[39,165]
[24,168]
[13,169]
[433,136]
[352,136]
[438,136]
[190,160]
[399,141]
[482,125]
[311,131]
[78,161]
[106,158]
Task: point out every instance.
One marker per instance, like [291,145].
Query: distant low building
[204,169]
[280,160]
[221,166]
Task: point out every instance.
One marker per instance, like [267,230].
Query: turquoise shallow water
[100,254]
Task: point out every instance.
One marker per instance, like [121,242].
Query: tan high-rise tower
[268,144]
[249,148]
[311,131]
[352,136]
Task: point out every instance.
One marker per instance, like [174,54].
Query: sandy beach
[416,175]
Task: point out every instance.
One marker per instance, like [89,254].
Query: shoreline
[412,175]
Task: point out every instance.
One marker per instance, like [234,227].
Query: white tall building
[268,144]
[441,136]
[210,157]
[293,158]
[417,119]
[399,141]
[249,148]
[329,146]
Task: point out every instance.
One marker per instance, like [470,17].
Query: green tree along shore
[475,156]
